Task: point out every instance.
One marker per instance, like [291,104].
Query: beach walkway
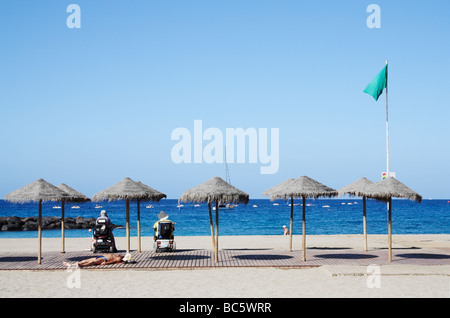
[258,257]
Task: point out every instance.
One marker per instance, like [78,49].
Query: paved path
[200,258]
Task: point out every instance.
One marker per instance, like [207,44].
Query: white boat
[255,206]
[57,207]
[275,204]
[98,206]
[75,207]
[196,205]
[149,206]
[325,206]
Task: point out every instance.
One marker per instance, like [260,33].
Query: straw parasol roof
[215,189]
[123,190]
[278,187]
[154,195]
[356,188]
[39,190]
[387,189]
[128,189]
[391,188]
[218,191]
[75,196]
[301,187]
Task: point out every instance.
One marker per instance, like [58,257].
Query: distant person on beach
[101,260]
[286,230]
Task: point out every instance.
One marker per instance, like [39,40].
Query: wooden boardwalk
[203,259]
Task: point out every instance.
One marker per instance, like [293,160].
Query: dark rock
[11,227]
[14,220]
[30,226]
[13,223]
[30,218]
[3,220]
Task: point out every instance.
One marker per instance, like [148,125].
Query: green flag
[378,84]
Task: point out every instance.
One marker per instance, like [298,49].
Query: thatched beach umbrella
[387,189]
[356,189]
[303,187]
[220,192]
[154,195]
[127,190]
[281,186]
[37,191]
[75,196]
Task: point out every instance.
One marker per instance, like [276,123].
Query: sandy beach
[325,281]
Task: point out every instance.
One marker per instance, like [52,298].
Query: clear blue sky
[91,106]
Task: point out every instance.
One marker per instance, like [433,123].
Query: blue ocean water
[323,216]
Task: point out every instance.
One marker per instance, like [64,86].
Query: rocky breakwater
[14,223]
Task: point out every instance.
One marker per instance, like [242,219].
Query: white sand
[326,281]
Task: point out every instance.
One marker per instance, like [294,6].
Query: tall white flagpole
[387,123]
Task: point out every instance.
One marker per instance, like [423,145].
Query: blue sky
[93,105]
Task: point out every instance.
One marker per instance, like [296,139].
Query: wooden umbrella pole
[364,223]
[290,226]
[390,229]
[128,225]
[62,228]
[139,224]
[217,233]
[40,231]
[304,231]
[212,228]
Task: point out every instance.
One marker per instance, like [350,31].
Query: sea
[258,217]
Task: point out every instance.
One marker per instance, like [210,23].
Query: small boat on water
[98,206]
[57,207]
[275,204]
[325,206]
[149,206]
[75,207]
[196,205]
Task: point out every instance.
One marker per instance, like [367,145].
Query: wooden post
[216,258]
[390,229]
[364,223]
[290,226]
[139,224]
[40,231]
[62,228]
[304,230]
[128,225]
[212,228]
